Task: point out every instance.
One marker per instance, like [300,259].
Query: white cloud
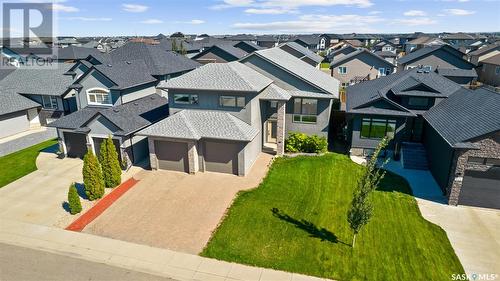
[415,21]
[316,23]
[290,4]
[414,13]
[194,21]
[374,12]
[134,8]
[270,11]
[458,12]
[64,8]
[152,21]
[87,19]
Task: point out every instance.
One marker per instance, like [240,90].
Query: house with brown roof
[489,71]
[484,52]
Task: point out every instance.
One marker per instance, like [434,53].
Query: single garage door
[13,123]
[76,144]
[481,189]
[97,147]
[221,157]
[172,155]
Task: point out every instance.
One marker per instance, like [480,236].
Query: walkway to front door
[271,129]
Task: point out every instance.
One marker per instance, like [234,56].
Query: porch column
[90,144]
[153,161]
[193,157]
[280,137]
[124,156]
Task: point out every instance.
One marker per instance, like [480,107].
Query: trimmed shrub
[75,206]
[92,177]
[300,142]
[111,169]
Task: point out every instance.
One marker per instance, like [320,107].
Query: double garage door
[481,188]
[221,157]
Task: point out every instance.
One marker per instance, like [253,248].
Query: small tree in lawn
[75,206]
[92,177]
[111,169]
[361,209]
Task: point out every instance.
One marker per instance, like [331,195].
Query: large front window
[185,99]
[99,96]
[49,102]
[305,110]
[374,128]
[232,101]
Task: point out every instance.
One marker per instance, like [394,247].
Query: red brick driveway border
[80,223]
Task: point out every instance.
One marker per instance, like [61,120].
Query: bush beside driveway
[296,221]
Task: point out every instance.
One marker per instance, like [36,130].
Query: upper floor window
[418,101]
[99,96]
[381,71]
[232,101]
[185,99]
[49,102]
[372,128]
[305,110]
[342,69]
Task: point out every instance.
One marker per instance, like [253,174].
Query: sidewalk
[161,262]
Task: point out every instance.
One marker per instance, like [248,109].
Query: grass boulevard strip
[296,221]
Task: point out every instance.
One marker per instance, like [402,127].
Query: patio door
[271,131]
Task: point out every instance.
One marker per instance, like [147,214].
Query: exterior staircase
[414,156]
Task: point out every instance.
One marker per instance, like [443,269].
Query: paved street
[23,140]
[19,263]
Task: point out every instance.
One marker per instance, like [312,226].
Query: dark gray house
[393,106]
[443,59]
[462,140]
[219,53]
[302,53]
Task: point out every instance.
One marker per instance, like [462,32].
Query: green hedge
[300,142]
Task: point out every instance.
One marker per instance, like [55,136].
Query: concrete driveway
[473,232]
[175,210]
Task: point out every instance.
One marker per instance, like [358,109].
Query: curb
[80,223]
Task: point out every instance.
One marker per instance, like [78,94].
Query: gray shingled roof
[38,81]
[492,60]
[127,74]
[300,69]
[427,50]
[233,76]
[225,47]
[129,117]
[13,102]
[363,94]
[306,52]
[386,54]
[274,92]
[485,49]
[77,53]
[457,72]
[356,53]
[198,124]
[466,115]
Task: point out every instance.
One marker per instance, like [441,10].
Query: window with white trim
[342,69]
[381,71]
[99,96]
[49,102]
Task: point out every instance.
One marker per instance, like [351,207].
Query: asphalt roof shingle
[233,76]
[306,52]
[127,74]
[479,114]
[198,124]
[13,102]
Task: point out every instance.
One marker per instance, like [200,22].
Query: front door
[271,131]
[417,128]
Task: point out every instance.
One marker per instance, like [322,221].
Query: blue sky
[146,17]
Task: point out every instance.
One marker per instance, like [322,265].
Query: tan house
[489,71]
[483,53]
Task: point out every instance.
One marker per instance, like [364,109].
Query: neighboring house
[307,41]
[344,50]
[444,59]
[267,41]
[359,65]
[63,42]
[302,53]
[393,106]
[247,46]
[74,53]
[219,53]
[421,42]
[385,46]
[365,39]
[388,56]
[47,86]
[88,127]
[489,71]
[328,40]
[483,53]
[223,115]
[459,39]
[462,139]
[17,113]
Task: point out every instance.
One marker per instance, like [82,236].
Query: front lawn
[296,221]
[20,163]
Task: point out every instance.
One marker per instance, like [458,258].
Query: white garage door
[13,123]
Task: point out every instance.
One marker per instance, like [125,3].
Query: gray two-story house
[222,116]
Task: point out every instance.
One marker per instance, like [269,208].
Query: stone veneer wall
[489,148]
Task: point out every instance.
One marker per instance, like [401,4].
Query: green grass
[308,232]
[20,163]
